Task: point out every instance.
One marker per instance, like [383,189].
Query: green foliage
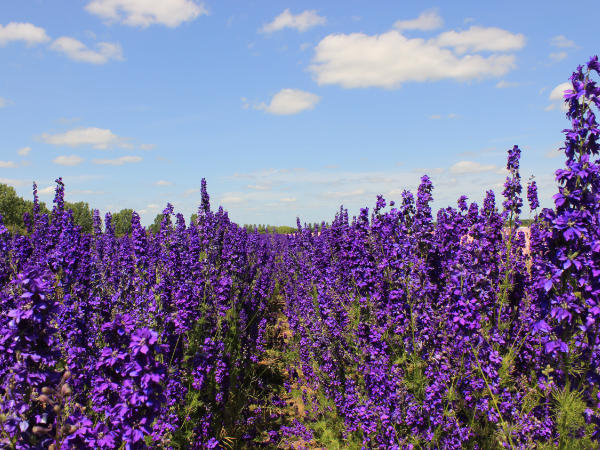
[569,409]
[122,222]
[271,229]
[82,215]
[13,207]
[155,227]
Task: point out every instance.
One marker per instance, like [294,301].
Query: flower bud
[47,390]
[66,390]
[38,431]
[44,399]
[57,409]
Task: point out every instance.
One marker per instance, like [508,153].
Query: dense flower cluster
[453,334]
[140,341]
[395,328]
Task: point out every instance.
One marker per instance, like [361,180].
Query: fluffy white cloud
[143,13]
[389,59]
[301,22]
[68,160]
[427,20]
[25,32]
[47,190]
[287,199]
[559,91]
[557,95]
[24,151]
[99,138]
[7,164]
[163,183]
[78,51]
[477,39]
[290,101]
[118,161]
[465,167]
[561,41]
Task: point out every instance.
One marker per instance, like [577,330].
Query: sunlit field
[399,328]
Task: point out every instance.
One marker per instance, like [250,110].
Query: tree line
[13,208]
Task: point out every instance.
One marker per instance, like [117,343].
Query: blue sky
[286,108]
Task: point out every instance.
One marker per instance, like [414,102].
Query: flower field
[397,328]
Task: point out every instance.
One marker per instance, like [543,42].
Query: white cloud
[502,84]
[558,56]
[435,116]
[163,183]
[557,94]
[146,146]
[78,51]
[68,160]
[301,22]
[290,101]
[26,32]
[98,138]
[427,20]
[389,59]
[465,167]
[561,41]
[7,164]
[143,13]
[24,151]
[3,102]
[47,190]
[559,91]
[287,199]
[118,161]
[477,39]
[14,182]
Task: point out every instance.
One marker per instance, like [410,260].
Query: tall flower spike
[59,196]
[532,196]
[205,202]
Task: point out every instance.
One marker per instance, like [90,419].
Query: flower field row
[402,329]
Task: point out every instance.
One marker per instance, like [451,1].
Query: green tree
[155,227]
[82,215]
[122,222]
[12,207]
